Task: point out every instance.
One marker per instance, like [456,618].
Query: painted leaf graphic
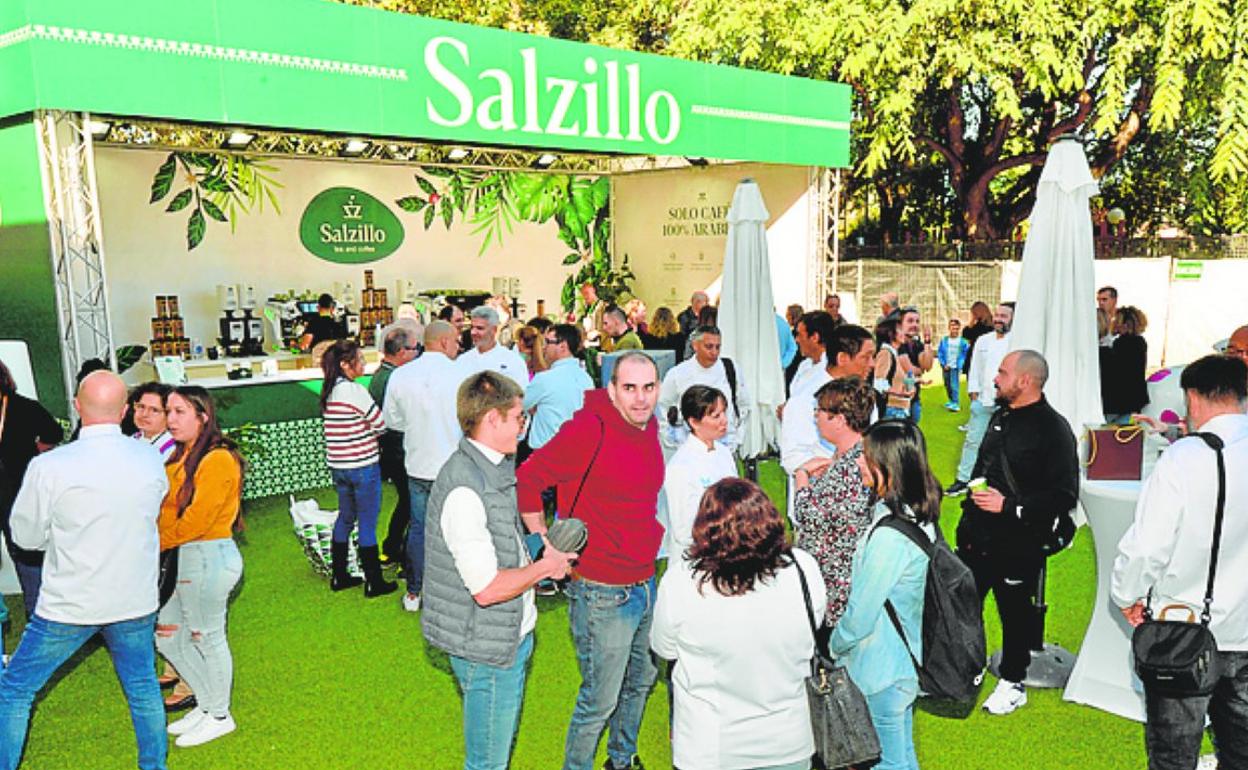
[195,229]
[429,214]
[214,211]
[164,179]
[412,203]
[180,200]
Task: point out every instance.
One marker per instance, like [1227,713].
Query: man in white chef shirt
[1166,552]
[478,605]
[706,367]
[92,506]
[487,354]
[850,352]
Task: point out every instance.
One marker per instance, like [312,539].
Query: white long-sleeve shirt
[799,436]
[1167,546]
[420,403]
[989,351]
[690,471]
[499,359]
[92,506]
[740,697]
[688,373]
[468,537]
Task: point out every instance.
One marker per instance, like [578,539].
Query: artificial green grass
[333,681]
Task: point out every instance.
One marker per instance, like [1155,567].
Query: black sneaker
[634,765]
[956,489]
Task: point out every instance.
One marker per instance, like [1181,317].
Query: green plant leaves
[195,227]
[426,185]
[212,210]
[572,259]
[163,179]
[220,185]
[540,196]
[429,214]
[413,203]
[180,201]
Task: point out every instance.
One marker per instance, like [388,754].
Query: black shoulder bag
[1176,658]
[844,733]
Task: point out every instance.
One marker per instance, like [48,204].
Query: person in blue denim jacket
[951,354]
[888,566]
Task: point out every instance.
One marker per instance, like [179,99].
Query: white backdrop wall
[671,225]
[146,255]
[1185,317]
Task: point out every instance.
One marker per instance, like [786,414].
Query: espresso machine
[344,301]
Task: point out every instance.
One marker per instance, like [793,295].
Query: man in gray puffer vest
[478,583]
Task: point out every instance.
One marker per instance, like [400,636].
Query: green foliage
[493,201]
[219,185]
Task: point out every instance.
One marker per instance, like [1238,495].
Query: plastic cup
[978,485]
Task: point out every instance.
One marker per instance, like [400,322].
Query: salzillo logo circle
[349,226]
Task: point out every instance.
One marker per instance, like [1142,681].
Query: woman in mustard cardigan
[198,517]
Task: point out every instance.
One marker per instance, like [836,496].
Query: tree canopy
[957,101]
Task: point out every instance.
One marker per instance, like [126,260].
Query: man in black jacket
[1011,524]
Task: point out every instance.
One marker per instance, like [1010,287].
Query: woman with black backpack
[891,568]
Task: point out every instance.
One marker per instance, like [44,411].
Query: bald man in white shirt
[92,506]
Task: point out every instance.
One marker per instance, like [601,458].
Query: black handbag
[1177,658]
[844,734]
[167,579]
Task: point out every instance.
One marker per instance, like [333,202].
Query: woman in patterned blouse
[832,506]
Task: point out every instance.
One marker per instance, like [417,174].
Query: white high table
[1104,675]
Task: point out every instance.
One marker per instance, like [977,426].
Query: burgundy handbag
[1115,453]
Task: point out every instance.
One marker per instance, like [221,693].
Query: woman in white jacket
[698,463]
[734,619]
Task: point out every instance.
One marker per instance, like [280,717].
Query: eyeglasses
[1237,352]
[142,409]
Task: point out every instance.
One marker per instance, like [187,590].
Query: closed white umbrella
[747,317]
[1056,312]
[1056,316]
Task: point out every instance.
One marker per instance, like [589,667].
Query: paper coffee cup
[978,485]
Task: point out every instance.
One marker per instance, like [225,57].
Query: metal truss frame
[67,166]
[824,244]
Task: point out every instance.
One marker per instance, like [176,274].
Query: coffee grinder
[233,330]
[253,327]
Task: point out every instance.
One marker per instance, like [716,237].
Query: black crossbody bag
[1176,658]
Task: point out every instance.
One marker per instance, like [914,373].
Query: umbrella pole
[1051,664]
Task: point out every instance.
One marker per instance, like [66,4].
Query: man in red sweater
[607,465]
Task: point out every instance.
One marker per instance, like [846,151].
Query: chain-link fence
[941,290]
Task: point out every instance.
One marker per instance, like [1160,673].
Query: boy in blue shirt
[951,354]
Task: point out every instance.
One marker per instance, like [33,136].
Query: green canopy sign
[323,66]
[349,226]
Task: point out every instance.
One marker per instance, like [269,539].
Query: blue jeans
[611,632]
[414,569]
[191,634]
[953,381]
[30,578]
[916,406]
[492,700]
[976,427]
[47,644]
[892,713]
[359,498]
[1175,726]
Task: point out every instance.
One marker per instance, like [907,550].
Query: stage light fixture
[239,139]
[98,128]
[355,147]
[457,154]
[545,160]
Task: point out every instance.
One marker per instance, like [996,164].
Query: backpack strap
[730,369]
[916,535]
[820,649]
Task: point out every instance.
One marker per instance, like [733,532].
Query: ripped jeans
[190,631]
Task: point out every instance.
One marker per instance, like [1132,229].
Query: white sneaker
[1008,697]
[411,602]
[186,723]
[209,729]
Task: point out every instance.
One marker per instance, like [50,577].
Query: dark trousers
[1175,726]
[394,470]
[1013,582]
